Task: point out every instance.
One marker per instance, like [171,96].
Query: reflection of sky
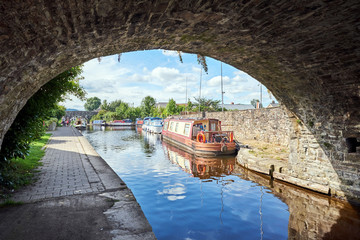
[179,206]
[173,192]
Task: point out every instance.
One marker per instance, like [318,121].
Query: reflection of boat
[119,128]
[202,137]
[151,139]
[139,122]
[199,166]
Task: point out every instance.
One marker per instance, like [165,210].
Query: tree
[28,124]
[254,103]
[204,104]
[113,105]
[92,103]
[123,110]
[189,105]
[104,106]
[147,104]
[171,107]
[58,111]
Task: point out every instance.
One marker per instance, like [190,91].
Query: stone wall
[270,125]
[299,51]
[312,215]
[312,160]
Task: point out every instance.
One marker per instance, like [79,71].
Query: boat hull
[198,148]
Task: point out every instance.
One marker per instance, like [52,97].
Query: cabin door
[213,125]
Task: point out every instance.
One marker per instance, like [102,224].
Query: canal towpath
[76,196]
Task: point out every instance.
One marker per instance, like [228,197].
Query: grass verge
[20,172]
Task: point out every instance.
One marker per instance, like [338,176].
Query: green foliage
[202,61]
[99,116]
[171,107]
[113,105]
[123,110]
[254,101]
[28,125]
[147,104]
[19,171]
[104,106]
[205,104]
[58,111]
[92,103]
[10,203]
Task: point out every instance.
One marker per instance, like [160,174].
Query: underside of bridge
[306,53]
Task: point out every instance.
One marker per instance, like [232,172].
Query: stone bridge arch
[306,53]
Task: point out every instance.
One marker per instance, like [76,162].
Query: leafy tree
[92,103]
[113,105]
[123,110]
[28,125]
[204,104]
[254,103]
[147,104]
[58,111]
[180,109]
[104,105]
[171,107]
[189,106]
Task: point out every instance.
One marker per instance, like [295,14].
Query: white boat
[156,126]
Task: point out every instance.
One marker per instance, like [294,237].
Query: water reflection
[203,168]
[312,215]
[187,197]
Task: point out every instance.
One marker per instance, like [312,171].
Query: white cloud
[216,81]
[135,77]
[164,74]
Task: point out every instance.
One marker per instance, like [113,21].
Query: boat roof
[190,119]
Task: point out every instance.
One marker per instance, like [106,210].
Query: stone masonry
[308,164]
[306,53]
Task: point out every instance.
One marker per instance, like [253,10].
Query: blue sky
[160,74]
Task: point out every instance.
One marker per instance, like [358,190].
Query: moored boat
[125,122]
[203,137]
[148,122]
[80,123]
[155,126]
[98,122]
[139,122]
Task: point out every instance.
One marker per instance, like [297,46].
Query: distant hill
[71,109]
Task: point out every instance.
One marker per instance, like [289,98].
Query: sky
[160,74]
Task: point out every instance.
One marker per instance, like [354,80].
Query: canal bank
[77,196]
[272,160]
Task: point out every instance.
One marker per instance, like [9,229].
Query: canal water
[187,197]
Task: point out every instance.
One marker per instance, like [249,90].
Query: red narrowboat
[202,137]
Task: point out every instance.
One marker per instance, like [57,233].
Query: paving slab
[76,196]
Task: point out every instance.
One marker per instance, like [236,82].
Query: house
[232,106]
[163,104]
[273,104]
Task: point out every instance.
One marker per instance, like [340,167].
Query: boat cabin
[190,128]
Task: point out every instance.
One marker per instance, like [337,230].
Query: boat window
[187,129]
[166,125]
[213,127]
[176,127]
[172,126]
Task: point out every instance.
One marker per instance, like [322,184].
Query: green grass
[10,203]
[20,172]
